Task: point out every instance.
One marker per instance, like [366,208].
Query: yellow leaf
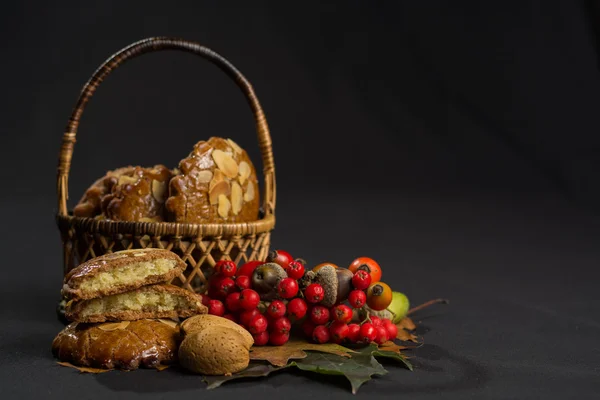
[294,350]
[84,369]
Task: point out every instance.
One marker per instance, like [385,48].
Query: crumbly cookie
[154,301]
[126,345]
[121,271]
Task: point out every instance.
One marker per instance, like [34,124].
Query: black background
[455,142]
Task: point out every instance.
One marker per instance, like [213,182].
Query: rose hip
[247,316]
[258,324]
[287,288]
[216,307]
[276,309]
[243,282]
[295,270]
[353,333]
[280,325]
[261,339]
[338,331]
[321,334]
[382,335]
[342,313]
[226,268]
[368,333]
[278,339]
[297,308]
[232,302]
[319,315]
[249,299]
[357,298]
[314,293]
[361,280]
[391,329]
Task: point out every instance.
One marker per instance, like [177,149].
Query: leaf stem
[427,304]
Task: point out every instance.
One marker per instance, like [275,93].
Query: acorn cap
[327,278]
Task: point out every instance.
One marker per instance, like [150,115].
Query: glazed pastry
[139,195]
[90,204]
[121,271]
[122,345]
[216,183]
[154,301]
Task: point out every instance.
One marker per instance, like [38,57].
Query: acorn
[265,279]
[336,282]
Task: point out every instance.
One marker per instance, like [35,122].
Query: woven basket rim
[109,227]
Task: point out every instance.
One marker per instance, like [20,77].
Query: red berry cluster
[333,325]
[230,295]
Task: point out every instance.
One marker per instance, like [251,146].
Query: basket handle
[151,45]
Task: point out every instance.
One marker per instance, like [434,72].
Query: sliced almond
[113,326]
[244,171]
[235,146]
[221,188]
[237,198]
[139,254]
[203,176]
[169,322]
[124,180]
[225,162]
[217,177]
[158,190]
[249,195]
[224,206]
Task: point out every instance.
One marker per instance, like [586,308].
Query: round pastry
[215,183]
[90,204]
[119,345]
[139,195]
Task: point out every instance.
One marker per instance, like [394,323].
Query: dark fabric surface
[455,142]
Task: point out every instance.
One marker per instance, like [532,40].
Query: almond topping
[169,322]
[244,171]
[217,177]
[237,198]
[235,146]
[224,206]
[113,326]
[221,188]
[124,179]
[249,195]
[204,176]
[158,190]
[225,163]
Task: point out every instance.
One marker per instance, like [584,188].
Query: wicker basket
[199,245]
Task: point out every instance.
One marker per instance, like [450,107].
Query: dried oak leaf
[405,326]
[279,356]
[84,369]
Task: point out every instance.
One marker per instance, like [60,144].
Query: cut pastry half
[121,271]
[154,301]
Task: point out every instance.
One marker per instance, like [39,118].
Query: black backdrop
[456,142]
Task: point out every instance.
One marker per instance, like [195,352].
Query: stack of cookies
[118,304]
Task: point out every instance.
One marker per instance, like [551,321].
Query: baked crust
[139,195]
[81,311]
[195,192]
[145,343]
[90,205]
[114,261]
